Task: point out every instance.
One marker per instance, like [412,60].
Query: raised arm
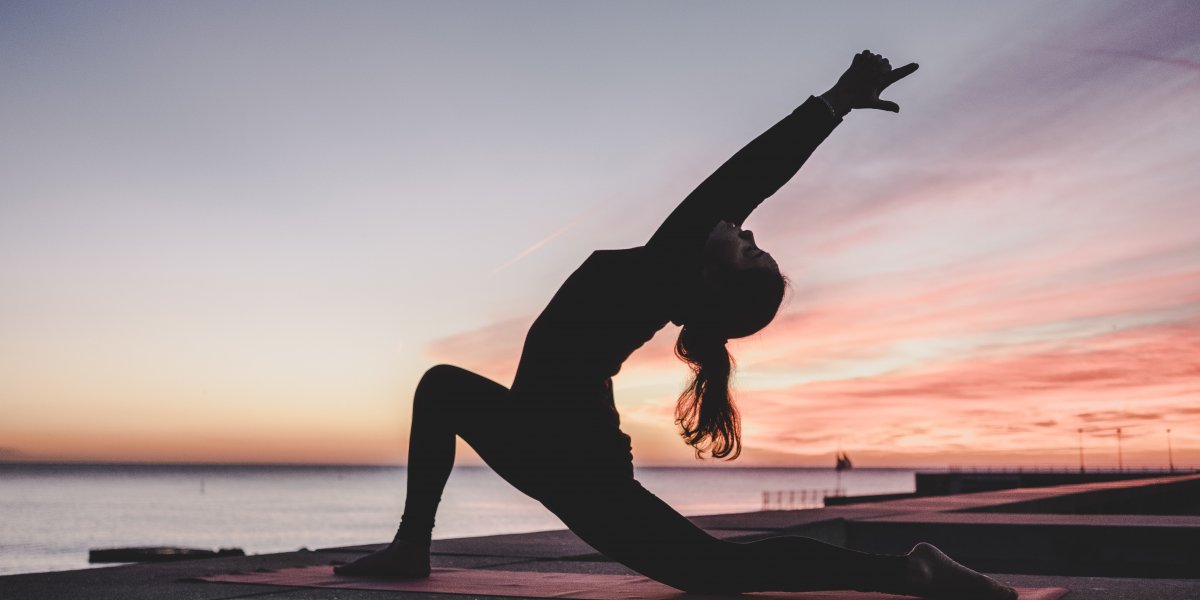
[758,170]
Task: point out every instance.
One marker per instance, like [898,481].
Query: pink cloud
[1142,380]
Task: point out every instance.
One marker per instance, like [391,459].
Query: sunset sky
[235,231]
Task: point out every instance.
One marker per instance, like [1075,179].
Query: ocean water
[51,515]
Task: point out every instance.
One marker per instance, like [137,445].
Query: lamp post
[1120,461]
[1080,449]
[1170,456]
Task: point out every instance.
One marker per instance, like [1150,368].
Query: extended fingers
[883,105]
[900,73]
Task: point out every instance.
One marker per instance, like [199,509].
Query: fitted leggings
[607,508]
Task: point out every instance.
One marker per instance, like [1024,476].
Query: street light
[1080,449]
[1120,461]
[1170,457]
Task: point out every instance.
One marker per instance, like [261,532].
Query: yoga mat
[531,584]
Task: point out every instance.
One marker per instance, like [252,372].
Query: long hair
[707,419]
[737,304]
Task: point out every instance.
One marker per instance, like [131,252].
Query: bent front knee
[437,380]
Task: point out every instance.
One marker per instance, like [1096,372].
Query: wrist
[836,101]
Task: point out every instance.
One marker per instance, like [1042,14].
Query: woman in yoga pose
[555,434]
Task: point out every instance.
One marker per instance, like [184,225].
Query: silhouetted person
[555,434]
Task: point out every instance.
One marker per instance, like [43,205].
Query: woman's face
[730,247]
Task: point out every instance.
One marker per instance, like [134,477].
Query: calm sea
[50,515]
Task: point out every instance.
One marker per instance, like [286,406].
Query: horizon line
[71,462]
[196,464]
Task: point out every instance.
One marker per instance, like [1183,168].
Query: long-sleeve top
[618,299]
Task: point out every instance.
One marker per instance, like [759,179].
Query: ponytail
[705,413]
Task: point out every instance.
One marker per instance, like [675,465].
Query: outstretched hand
[859,87]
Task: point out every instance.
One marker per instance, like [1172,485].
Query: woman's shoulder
[641,259]
[619,251]
[637,255]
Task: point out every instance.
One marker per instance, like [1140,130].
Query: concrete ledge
[993,531]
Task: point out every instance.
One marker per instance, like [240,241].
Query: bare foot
[932,574]
[400,560]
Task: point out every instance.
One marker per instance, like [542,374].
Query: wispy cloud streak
[534,247]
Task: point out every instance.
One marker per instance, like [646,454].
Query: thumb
[884,105]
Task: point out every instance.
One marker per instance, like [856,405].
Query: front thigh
[483,413]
